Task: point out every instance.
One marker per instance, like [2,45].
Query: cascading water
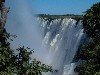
[62,38]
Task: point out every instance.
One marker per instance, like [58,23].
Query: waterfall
[61,37]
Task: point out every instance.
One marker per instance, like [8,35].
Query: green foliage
[91,20]
[6,55]
[89,54]
[25,67]
[18,64]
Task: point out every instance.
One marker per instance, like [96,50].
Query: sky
[61,6]
[20,20]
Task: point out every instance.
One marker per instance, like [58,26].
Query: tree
[19,64]
[4,10]
[25,67]
[89,54]
[16,64]
[91,20]
[6,55]
[90,58]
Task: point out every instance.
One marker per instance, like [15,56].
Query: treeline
[73,16]
[47,15]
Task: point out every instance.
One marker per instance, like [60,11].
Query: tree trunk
[4,10]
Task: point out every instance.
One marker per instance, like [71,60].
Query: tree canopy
[91,20]
[89,54]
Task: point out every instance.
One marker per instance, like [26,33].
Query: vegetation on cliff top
[73,16]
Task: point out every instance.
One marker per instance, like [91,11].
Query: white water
[62,38]
[60,41]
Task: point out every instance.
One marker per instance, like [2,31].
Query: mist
[21,22]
